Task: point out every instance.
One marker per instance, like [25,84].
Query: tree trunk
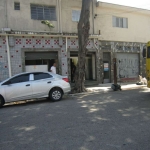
[83,35]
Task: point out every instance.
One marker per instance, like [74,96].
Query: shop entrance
[40,61]
[90,73]
[106,66]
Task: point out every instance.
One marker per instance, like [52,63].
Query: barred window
[120,22]
[43,12]
[16,6]
[76,15]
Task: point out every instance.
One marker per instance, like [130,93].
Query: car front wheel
[56,94]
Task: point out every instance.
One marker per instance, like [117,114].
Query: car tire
[2,102]
[55,94]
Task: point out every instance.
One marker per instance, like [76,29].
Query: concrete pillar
[8,56]
[93,66]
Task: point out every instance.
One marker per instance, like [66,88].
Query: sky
[144,4]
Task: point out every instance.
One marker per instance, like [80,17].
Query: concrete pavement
[96,121]
[107,87]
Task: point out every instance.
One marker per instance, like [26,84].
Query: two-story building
[115,32]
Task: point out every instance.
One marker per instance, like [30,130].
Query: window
[16,6]
[76,15]
[18,79]
[43,12]
[39,76]
[120,22]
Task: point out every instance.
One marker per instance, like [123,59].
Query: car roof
[30,73]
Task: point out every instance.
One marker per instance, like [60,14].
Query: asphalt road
[99,121]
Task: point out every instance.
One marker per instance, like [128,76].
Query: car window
[39,76]
[18,79]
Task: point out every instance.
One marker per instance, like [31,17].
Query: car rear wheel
[1,101]
[56,94]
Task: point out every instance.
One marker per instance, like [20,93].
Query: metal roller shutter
[40,55]
[127,65]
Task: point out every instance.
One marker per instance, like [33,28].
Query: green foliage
[46,22]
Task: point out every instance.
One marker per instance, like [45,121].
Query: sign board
[106,67]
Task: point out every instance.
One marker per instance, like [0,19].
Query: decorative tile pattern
[52,44]
[64,64]
[18,41]
[3,60]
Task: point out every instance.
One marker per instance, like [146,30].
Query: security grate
[43,12]
[16,6]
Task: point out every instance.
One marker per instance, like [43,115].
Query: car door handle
[49,82]
[28,85]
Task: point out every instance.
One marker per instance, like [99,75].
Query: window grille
[43,12]
[16,6]
[76,15]
[120,22]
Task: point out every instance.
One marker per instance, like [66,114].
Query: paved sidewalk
[107,87]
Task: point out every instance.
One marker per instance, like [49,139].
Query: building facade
[115,32]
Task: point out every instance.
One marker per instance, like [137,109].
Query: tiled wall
[34,43]
[3,59]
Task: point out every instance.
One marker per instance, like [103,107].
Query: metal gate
[40,55]
[127,65]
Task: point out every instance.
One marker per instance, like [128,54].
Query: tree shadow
[107,120]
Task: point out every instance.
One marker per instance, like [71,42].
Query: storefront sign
[106,67]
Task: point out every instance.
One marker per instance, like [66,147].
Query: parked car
[32,85]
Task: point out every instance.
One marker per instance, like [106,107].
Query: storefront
[38,53]
[90,73]
[40,61]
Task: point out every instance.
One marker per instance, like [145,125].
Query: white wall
[138,23]
[21,19]
[36,68]
[2,14]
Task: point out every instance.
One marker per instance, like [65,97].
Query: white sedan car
[32,85]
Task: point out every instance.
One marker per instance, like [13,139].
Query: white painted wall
[2,14]
[36,68]
[138,23]
[67,24]
[138,20]
[21,19]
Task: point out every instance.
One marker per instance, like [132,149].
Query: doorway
[106,67]
[73,65]
[90,73]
